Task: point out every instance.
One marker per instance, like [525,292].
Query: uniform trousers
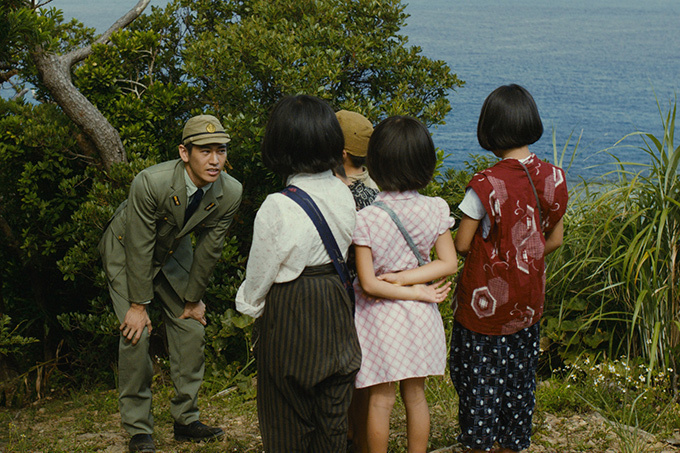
[308,355]
[135,369]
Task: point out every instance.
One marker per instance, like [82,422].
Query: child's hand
[391,277]
[433,293]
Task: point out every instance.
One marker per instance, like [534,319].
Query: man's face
[205,162]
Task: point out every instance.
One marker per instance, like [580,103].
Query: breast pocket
[212,221]
[166,226]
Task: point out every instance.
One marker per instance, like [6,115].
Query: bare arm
[553,239]
[446,264]
[466,231]
[371,285]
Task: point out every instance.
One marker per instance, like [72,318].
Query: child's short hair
[302,136]
[356,161]
[509,119]
[401,154]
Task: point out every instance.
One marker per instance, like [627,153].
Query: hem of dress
[400,379]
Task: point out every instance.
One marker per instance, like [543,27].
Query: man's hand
[135,320]
[195,310]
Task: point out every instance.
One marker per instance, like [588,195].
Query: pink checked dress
[399,339]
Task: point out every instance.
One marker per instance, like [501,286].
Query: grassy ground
[88,421]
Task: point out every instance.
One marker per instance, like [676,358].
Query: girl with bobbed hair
[302,136]
[512,219]
[307,352]
[398,322]
[509,119]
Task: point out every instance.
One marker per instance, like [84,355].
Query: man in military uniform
[147,254]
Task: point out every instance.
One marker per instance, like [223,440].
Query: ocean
[594,67]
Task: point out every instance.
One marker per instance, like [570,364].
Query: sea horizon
[595,67]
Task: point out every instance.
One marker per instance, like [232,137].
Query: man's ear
[184,153]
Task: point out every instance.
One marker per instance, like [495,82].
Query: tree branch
[80,54]
[5,76]
[20,94]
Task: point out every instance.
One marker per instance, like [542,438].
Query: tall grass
[615,280]
[650,236]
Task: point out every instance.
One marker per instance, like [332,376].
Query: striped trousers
[307,357]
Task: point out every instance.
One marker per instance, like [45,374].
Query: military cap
[204,130]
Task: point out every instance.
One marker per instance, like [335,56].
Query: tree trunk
[55,73]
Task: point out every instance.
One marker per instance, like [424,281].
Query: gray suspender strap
[402,229]
[533,187]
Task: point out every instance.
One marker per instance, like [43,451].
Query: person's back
[423,217]
[306,348]
[512,219]
[401,334]
[501,288]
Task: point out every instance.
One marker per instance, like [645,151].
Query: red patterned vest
[502,285]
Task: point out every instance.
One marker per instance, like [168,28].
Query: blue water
[593,66]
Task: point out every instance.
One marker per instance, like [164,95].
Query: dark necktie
[193,204]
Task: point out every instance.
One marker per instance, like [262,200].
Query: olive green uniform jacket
[147,234]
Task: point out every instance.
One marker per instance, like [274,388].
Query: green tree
[246,55]
[234,59]
[15,22]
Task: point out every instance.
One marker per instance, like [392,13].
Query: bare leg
[381,399]
[417,414]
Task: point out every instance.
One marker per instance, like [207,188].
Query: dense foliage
[614,284]
[233,59]
[611,288]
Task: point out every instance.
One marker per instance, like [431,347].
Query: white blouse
[285,240]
